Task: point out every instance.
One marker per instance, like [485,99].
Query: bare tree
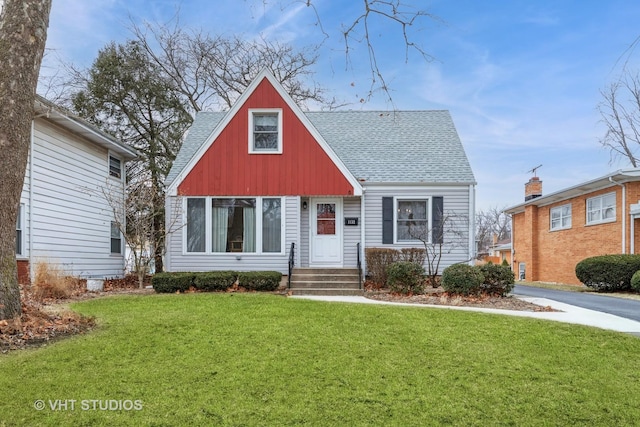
[23,34]
[620,111]
[211,71]
[490,223]
[441,238]
[364,28]
[134,216]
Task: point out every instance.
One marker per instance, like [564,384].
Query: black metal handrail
[292,252]
[359,267]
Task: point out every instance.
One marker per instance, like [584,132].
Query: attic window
[115,167]
[265,131]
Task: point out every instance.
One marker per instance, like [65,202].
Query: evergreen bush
[462,279]
[498,279]
[608,273]
[406,278]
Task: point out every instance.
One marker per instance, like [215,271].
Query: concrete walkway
[568,313]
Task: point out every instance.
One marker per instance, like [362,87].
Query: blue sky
[521,78]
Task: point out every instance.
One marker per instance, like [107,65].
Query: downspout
[513,251]
[472,222]
[624,214]
[31,144]
[362,234]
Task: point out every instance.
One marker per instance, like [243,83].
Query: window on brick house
[560,217]
[601,208]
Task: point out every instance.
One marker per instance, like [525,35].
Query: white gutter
[362,234]
[31,155]
[513,251]
[472,223]
[624,215]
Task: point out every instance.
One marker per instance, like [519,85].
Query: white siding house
[63,220]
[346,180]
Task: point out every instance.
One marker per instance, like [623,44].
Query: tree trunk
[23,33]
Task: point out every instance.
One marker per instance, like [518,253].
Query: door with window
[326,232]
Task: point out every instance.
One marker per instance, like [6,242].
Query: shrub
[406,277]
[378,262]
[172,282]
[635,281]
[505,263]
[462,279]
[415,255]
[214,280]
[498,279]
[608,273]
[260,280]
[50,281]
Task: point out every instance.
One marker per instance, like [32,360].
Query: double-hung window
[265,131]
[601,208]
[412,220]
[115,167]
[20,231]
[116,238]
[561,217]
[224,225]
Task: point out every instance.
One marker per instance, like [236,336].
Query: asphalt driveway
[629,309]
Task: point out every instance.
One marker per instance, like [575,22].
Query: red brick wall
[23,272]
[551,256]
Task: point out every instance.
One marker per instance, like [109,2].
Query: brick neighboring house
[552,233]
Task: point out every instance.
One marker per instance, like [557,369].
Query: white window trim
[208,226]
[601,221]
[121,238]
[551,227]
[109,157]
[252,112]
[21,217]
[397,199]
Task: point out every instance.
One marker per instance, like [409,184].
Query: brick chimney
[532,189]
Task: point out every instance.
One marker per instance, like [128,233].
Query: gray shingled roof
[376,146]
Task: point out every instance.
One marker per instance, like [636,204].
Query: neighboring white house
[62,220]
[266,181]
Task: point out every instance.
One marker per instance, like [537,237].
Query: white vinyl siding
[456,209]
[70,222]
[351,233]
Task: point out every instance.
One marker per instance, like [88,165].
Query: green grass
[255,359]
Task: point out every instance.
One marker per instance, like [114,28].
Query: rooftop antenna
[533,170]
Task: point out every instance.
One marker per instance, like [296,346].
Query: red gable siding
[227,168]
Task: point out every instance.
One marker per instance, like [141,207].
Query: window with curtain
[233,225]
[271,225]
[265,131]
[601,208]
[196,225]
[412,221]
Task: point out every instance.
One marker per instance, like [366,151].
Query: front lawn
[257,359]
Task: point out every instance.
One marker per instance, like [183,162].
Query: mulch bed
[44,318]
[437,296]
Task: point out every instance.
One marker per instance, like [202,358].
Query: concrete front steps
[325,281]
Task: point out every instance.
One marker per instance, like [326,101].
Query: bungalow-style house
[266,183]
[61,220]
[552,233]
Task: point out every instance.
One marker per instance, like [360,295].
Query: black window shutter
[437,209]
[387,220]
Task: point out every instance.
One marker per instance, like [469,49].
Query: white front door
[326,232]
